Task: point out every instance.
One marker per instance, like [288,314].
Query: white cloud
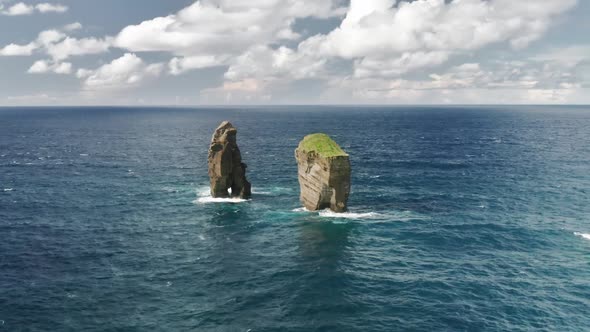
[386,39]
[39,67]
[179,65]
[124,72]
[72,26]
[389,39]
[22,8]
[494,82]
[43,66]
[382,50]
[48,37]
[263,62]
[379,27]
[217,28]
[19,9]
[59,46]
[18,50]
[395,67]
[238,92]
[74,47]
[48,8]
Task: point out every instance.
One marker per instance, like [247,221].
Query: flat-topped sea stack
[324,173]
[226,169]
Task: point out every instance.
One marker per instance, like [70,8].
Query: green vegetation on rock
[322,144]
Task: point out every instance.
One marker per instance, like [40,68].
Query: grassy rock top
[322,144]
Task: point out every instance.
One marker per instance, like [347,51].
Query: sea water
[461,219]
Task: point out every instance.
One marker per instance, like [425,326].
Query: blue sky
[180,52]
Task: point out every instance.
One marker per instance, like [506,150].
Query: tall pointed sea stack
[226,169]
[324,173]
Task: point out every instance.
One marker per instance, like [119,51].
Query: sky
[258,52]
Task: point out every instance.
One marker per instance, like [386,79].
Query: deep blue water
[462,219]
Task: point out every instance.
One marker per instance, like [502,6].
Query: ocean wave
[583,235]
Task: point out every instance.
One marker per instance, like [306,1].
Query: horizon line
[282,105]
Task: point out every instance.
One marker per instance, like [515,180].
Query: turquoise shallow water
[462,219]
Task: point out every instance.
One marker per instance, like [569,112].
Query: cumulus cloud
[19,9]
[72,26]
[22,8]
[209,31]
[18,50]
[387,39]
[263,62]
[179,65]
[124,72]
[382,50]
[44,66]
[59,46]
[397,38]
[69,46]
[381,27]
[48,8]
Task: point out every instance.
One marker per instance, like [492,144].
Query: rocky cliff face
[226,169]
[324,173]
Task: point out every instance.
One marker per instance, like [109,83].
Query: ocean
[461,219]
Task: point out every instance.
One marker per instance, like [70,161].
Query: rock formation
[324,173]
[226,169]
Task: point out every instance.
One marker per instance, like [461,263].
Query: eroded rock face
[324,173]
[226,169]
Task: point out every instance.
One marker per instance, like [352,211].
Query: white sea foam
[8,189]
[374,216]
[583,235]
[350,215]
[204,194]
[204,200]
